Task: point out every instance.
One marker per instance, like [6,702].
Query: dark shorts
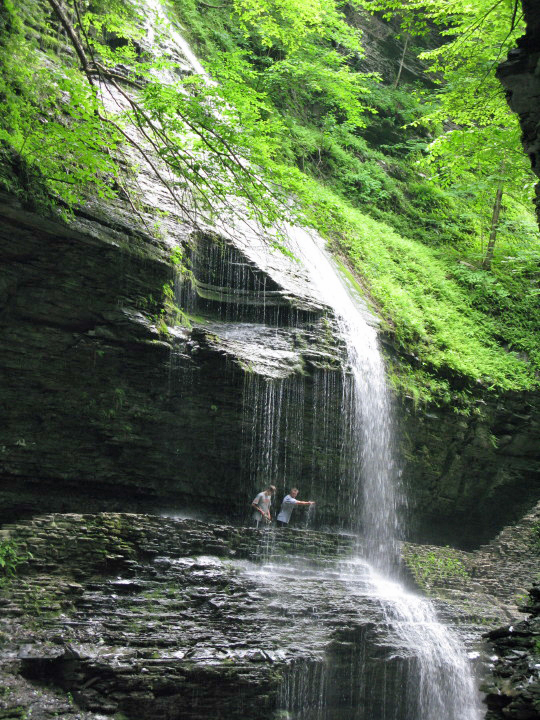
[281,523]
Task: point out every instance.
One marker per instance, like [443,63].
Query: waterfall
[418,669]
[438,683]
[176,45]
[374,492]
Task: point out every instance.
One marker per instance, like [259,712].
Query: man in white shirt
[288,505]
[262,504]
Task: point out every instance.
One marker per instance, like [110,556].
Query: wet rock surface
[153,618]
[102,402]
[513,690]
[105,405]
[112,398]
[488,585]
[142,617]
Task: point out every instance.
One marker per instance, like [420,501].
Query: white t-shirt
[263,501]
[287,507]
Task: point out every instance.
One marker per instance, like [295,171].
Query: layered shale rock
[147,364]
[484,586]
[467,476]
[107,398]
[154,618]
[148,618]
[144,617]
[114,398]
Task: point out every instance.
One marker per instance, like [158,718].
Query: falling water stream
[375,495]
[423,673]
[438,683]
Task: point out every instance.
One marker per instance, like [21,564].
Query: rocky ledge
[486,586]
[150,618]
[146,617]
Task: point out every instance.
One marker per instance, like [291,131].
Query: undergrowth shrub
[11,556]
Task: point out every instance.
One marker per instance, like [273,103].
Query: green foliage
[56,117]
[11,556]
[279,56]
[480,146]
[49,111]
[450,334]
[24,180]
[307,84]
[436,567]
[171,314]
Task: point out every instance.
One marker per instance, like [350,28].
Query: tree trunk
[401,61]
[71,33]
[494,226]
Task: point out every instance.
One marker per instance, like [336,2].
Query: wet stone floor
[139,617]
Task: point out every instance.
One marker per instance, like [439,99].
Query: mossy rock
[24,180]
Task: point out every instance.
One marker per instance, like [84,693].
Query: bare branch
[70,30]
[214,7]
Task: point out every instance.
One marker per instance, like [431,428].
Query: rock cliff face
[132,383]
[487,584]
[468,476]
[521,79]
[147,618]
[106,405]
[155,618]
[513,691]
[109,401]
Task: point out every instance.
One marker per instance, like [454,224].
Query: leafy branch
[265,198]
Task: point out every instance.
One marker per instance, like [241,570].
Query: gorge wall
[147,365]
[110,402]
[519,75]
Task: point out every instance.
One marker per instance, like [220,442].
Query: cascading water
[415,668]
[437,683]
[373,484]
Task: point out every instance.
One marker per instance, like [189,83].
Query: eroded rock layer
[149,618]
[513,690]
[145,617]
[467,476]
[110,402]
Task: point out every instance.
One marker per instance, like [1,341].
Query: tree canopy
[291,120]
[211,143]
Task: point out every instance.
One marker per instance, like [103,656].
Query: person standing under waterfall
[288,505]
[262,504]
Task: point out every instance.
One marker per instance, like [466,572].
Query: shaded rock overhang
[520,76]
